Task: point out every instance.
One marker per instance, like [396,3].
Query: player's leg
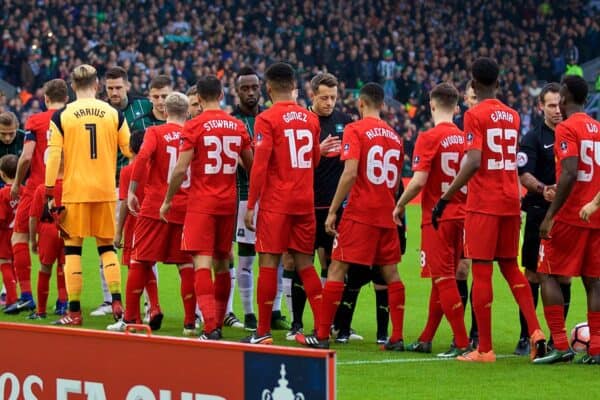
[278,320]
[61,288]
[231,319]
[396,298]
[43,289]
[10,283]
[105,308]
[20,249]
[357,277]
[462,275]
[382,309]
[245,281]
[73,280]
[225,228]
[592,288]
[298,295]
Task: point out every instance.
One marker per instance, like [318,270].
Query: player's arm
[247,158]
[263,148]
[566,181]
[317,146]
[467,170]
[528,153]
[55,147]
[590,208]
[23,164]
[36,211]
[124,178]
[123,135]
[415,186]
[140,169]
[343,188]
[177,177]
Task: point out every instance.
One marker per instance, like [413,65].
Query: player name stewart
[376,132]
[89,112]
[220,123]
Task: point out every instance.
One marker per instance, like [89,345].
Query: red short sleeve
[473,133]
[125,178]
[423,154]
[350,145]
[188,138]
[566,143]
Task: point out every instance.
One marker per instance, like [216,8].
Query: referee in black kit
[537,173]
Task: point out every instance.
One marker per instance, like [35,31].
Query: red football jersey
[156,160]
[286,151]
[217,140]
[579,136]
[125,178]
[39,198]
[37,130]
[378,149]
[8,208]
[493,128]
[439,152]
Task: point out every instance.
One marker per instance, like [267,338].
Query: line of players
[276,216]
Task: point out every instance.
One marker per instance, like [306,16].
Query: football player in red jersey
[286,138]
[571,245]
[32,160]
[212,145]
[436,161]
[154,239]
[8,167]
[492,221]
[366,235]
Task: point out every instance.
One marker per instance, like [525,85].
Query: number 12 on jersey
[298,155]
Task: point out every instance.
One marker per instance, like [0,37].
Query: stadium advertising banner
[74,364]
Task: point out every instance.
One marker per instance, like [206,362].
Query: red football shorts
[277,233]
[5,245]
[22,212]
[363,244]
[441,249]
[571,251]
[491,237]
[155,240]
[128,230]
[50,244]
[208,235]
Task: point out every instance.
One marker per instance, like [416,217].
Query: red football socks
[266,292]
[188,295]
[594,324]
[483,295]
[555,318]
[222,290]
[313,288]
[205,296]
[332,295]
[152,288]
[452,306]
[43,287]
[521,292]
[396,298]
[10,284]
[61,286]
[136,277]
[434,316]
[22,262]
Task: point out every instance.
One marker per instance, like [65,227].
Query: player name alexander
[376,132]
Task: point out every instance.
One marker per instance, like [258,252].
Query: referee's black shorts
[531,240]
[322,238]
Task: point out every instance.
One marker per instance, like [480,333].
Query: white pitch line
[408,360]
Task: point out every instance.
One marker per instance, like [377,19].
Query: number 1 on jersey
[91,128]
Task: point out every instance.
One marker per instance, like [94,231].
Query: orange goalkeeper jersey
[89,132]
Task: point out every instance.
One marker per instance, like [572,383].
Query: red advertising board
[74,364]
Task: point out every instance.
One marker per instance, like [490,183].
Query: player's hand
[164,210]
[549,193]
[586,211]
[14,192]
[331,144]
[546,227]
[330,224]
[437,212]
[118,240]
[133,204]
[249,220]
[398,214]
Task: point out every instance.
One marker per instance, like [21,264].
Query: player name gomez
[294,115]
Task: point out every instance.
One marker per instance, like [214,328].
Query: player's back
[218,140]
[378,149]
[91,131]
[125,179]
[161,150]
[37,130]
[440,151]
[493,128]
[8,208]
[579,136]
[289,135]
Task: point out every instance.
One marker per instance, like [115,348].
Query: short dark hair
[281,76]
[244,71]
[323,78]
[485,71]
[116,73]
[372,93]
[135,140]
[445,94]
[209,87]
[551,87]
[578,88]
[8,165]
[56,90]
[160,81]
[8,118]
[192,91]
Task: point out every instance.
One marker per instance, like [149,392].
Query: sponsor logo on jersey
[563,146]
[470,137]
[346,148]
[416,160]
[522,159]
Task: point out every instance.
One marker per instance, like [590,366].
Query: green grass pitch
[365,372]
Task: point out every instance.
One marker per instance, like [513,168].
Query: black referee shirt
[329,170]
[536,156]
